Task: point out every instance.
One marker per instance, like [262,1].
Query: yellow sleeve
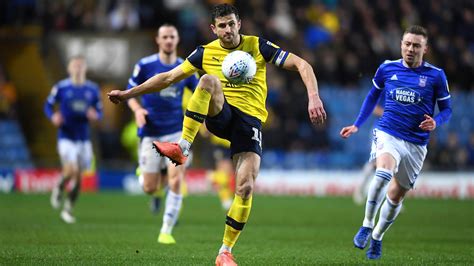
[188,68]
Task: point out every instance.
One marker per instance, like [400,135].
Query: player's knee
[149,188]
[209,83]
[69,171]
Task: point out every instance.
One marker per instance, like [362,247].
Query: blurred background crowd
[345,41]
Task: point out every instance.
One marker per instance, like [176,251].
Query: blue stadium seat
[13,149]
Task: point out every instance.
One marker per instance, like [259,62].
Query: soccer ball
[239,67]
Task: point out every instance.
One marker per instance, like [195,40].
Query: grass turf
[115,228]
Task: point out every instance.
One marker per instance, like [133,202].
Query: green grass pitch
[115,228]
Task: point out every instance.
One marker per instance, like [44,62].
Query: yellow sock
[236,218]
[196,112]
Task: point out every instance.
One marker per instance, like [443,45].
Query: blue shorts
[242,130]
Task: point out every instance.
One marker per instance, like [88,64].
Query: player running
[159,117]
[79,103]
[411,89]
[232,112]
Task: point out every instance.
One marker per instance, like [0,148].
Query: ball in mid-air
[239,67]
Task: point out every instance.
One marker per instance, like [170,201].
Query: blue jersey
[165,112]
[410,93]
[74,101]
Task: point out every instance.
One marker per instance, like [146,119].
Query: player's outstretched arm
[153,84]
[316,111]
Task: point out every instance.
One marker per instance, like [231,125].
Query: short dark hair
[165,25]
[418,30]
[223,10]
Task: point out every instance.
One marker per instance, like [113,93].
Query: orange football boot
[225,259]
[170,150]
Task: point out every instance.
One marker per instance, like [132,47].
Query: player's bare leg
[207,99]
[247,165]
[173,203]
[67,211]
[151,182]
[58,191]
[160,192]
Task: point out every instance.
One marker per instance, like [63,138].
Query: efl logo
[43,180]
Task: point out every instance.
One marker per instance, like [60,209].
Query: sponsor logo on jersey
[405,96]
[79,106]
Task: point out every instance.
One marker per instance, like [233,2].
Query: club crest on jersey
[405,96]
[422,82]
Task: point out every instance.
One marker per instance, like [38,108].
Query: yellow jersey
[249,98]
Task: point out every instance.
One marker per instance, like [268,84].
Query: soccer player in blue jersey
[411,88]
[79,103]
[159,117]
[233,112]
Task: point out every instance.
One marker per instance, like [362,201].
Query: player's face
[77,67]
[227,29]
[167,39]
[413,48]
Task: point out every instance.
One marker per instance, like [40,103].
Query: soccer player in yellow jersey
[232,112]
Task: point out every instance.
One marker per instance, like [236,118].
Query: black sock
[74,193]
[62,183]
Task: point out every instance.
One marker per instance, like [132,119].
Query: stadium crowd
[344,41]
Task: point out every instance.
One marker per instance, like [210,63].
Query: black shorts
[242,130]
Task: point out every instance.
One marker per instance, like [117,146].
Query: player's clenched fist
[348,131]
[116,96]
[429,124]
[57,119]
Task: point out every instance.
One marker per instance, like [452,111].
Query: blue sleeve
[443,99]
[368,106]
[195,58]
[442,87]
[98,104]
[192,82]
[379,80]
[137,77]
[445,112]
[50,101]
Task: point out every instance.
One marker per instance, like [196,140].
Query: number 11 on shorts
[257,135]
